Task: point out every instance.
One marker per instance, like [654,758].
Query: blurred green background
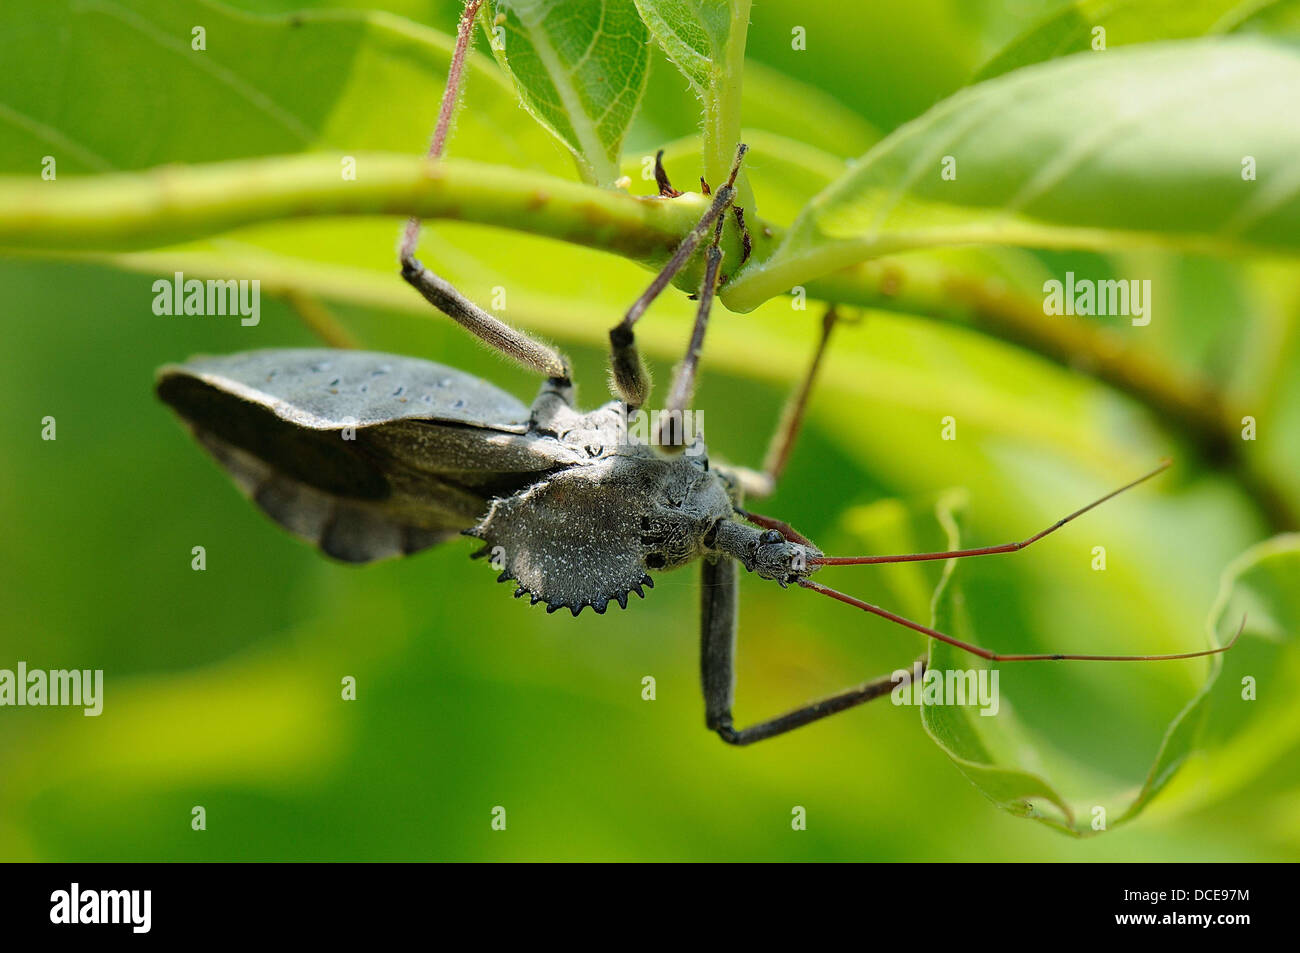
[223,686]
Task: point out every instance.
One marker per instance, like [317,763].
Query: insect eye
[770,536]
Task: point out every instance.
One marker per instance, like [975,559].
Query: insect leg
[672,431]
[719,593]
[746,241]
[496,333]
[718,605]
[763,483]
[513,343]
[787,431]
[631,380]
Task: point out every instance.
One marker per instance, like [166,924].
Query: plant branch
[173,204]
[1188,404]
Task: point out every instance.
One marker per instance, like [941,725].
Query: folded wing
[366,455]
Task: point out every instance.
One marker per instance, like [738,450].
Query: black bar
[962,902]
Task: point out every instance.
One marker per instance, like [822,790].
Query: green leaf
[772,101]
[118,86]
[1035,439]
[706,41]
[1271,16]
[1134,147]
[888,61]
[782,104]
[1249,710]
[993,751]
[1073,28]
[983,748]
[580,69]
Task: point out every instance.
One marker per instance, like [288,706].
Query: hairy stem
[721,129]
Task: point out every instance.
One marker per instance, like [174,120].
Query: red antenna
[996,657]
[985,550]
[988,551]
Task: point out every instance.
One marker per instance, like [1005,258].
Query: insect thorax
[589,532]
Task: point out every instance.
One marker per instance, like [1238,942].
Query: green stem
[721,130]
[174,204]
[1189,405]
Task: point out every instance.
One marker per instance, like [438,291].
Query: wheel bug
[373,455]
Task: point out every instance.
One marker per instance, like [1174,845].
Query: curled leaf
[1008,761]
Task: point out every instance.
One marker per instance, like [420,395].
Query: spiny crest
[567,540]
[588,534]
